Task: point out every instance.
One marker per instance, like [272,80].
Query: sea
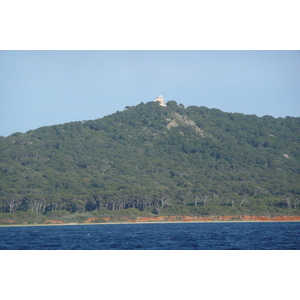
[154,236]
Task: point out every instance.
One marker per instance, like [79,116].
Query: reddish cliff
[53,222]
[91,220]
[239,218]
[7,221]
[277,218]
[210,218]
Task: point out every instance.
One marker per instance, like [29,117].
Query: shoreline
[143,222]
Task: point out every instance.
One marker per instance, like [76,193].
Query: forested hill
[158,160]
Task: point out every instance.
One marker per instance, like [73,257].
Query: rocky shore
[162,219]
[193,219]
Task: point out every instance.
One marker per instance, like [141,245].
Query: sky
[41,88]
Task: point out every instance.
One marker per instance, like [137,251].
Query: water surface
[162,236]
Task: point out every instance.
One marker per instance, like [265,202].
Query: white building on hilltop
[160,100]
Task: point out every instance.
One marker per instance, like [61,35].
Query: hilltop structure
[160,100]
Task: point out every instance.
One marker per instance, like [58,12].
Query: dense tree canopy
[173,159]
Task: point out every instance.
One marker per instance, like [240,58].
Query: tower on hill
[160,100]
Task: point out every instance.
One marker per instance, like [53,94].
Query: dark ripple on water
[164,236]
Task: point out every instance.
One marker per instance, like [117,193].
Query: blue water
[162,236]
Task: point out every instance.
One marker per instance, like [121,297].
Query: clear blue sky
[40,88]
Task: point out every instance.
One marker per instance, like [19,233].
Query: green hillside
[150,159]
